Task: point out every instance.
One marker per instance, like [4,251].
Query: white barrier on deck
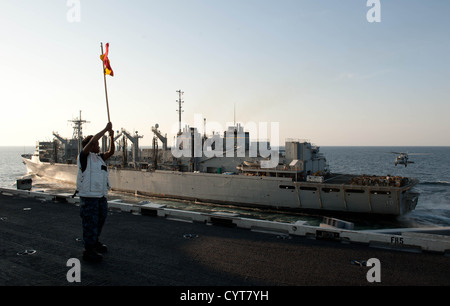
[406,241]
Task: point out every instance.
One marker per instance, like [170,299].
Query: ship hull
[242,190]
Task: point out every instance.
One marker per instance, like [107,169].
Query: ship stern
[409,202]
[410,198]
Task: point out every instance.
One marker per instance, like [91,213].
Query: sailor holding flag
[93,181]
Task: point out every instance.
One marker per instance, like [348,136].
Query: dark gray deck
[146,250]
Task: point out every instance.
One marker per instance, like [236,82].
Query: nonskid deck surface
[145,250]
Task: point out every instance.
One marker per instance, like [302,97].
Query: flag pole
[104,79]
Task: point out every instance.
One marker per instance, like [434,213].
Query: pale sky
[318,68]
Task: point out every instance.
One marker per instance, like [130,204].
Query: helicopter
[402,159]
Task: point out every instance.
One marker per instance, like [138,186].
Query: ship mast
[179,101]
[78,130]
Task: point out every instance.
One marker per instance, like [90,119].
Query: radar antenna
[78,130]
[179,101]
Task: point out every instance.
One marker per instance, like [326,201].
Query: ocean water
[11,165]
[431,166]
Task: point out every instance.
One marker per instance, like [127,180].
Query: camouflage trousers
[93,213]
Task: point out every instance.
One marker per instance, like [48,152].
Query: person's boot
[91,255]
[100,247]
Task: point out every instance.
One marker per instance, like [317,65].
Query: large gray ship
[230,169]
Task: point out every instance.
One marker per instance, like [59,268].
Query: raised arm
[92,145]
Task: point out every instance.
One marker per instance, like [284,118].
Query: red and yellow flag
[106,65]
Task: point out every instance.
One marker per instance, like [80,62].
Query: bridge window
[308,188]
[327,190]
[379,192]
[354,191]
[286,187]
